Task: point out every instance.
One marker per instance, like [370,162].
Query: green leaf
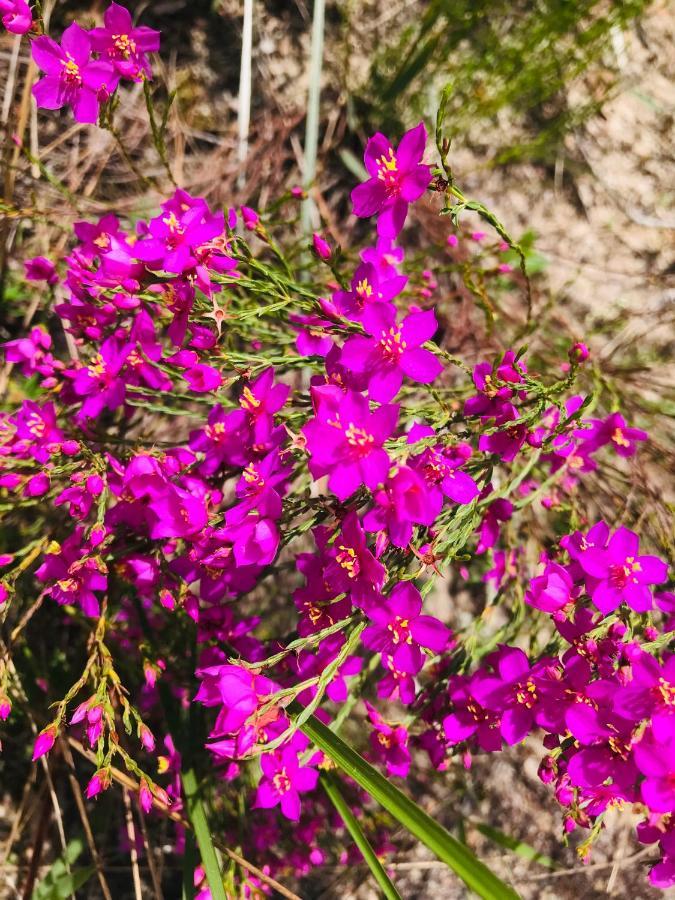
[330,785]
[207,850]
[459,858]
[511,843]
[61,881]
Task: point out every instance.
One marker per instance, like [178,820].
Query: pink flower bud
[167,599]
[147,738]
[145,796]
[99,782]
[5,708]
[44,742]
[578,352]
[250,217]
[40,269]
[321,246]
[452,240]
[4,593]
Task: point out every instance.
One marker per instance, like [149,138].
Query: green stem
[330,785]
[197,816]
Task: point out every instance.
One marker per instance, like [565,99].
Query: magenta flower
[16,16]
[392,351]
[442,466]
[367,288]
[389,744]
[611,430]
[655,759]
[39,268]
[619,575]
[72,77]
[345,441]
[401,630]
[511,692]
[174,236]
[397,178]
[404,501]
[284,779]
[553,590]
[125,46]
[353,569]
[238,691]
[321,246]
[468,718]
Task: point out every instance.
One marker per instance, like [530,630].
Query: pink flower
[397,178]
[618,574]
[39,268]
[16,16]
[284,779]
[392,350]
[125,46]
[345,441]
[400,629]
[72,77]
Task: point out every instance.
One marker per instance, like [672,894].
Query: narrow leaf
[450,851]
[331,787]
[207,851]
[511,843]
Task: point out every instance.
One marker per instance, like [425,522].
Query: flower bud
[44,742]
[578,352]
[321,246]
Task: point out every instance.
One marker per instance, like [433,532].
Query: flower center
[359,439]
[620,575]
[400,630]
[248,400]
[526,694]
[619,438]
[387,171]
[665,693]
[71,72]
[124,45]
[348,560]
[282,782]
[392,344]
[215,432]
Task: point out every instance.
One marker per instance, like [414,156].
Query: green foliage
[412,817]
[497,55]
[62,881]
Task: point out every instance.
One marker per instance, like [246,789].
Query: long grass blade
[511,843]
[207,851]
[459,858]
[331,787]
[245,81]
[313,102]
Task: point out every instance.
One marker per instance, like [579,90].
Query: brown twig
[84,818]
[126,781]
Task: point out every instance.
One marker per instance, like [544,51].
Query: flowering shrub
[251,469]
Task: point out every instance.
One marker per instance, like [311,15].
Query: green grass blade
[313,121]
[459,858]
[511,843]
[207,851]
[331,787]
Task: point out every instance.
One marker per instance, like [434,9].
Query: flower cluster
[605,704]
[84,70]
[249,485]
